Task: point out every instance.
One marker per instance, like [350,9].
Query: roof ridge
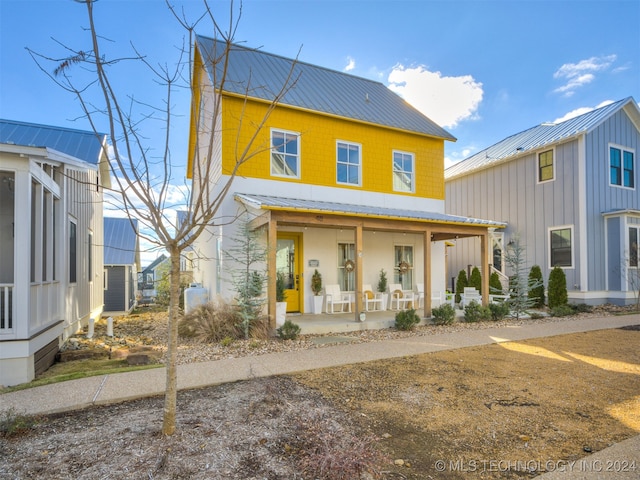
[296,60]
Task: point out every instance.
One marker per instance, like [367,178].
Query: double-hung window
[621,167]
[561,247]
[403,172]
[349,163]
[545,166]
[285,154]
[634,237]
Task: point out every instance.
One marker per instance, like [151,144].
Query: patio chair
[470,294]
[400,298]
[371,298]
[334,296]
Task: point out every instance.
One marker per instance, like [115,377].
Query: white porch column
[22,252]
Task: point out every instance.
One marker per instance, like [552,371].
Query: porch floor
[345,322]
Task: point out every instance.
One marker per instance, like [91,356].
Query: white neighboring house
[51,236]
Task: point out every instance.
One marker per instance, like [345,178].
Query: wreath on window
[403,267]
[349,265]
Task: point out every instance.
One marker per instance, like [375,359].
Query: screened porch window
[73,252]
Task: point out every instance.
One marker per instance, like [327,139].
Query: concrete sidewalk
[77,394]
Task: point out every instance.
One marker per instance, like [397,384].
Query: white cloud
[581,73]
[445,100]
[581,111]
[351,64]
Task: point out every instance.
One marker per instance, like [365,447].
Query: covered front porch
[375,237]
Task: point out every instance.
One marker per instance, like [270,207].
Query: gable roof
[80,144]
[153,265]
[540,136]
[262,75]
[121,241]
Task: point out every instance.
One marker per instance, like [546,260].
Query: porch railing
[45,304]
[504,280]
[6,308]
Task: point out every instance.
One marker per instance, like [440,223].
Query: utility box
[194,296]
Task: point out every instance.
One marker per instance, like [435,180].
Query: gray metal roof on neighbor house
[540,136]
[281,203]
[262,75]
[120,241]
[79,144]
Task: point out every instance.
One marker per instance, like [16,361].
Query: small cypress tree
[495,285]
[537,293]
[461,282]
[557,288]
[475,280]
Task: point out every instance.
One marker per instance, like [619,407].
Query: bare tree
[143,179]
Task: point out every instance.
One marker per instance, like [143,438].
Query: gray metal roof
[543,135]
[79,144]
[120,241]
[270,202]
[262,75]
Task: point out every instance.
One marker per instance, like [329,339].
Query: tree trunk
[171,389]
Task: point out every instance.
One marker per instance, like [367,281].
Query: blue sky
[484,70]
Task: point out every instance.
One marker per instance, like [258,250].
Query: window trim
[550,230]
[553,166]
[622,169]
[347,143]
[412,188]
[274,173]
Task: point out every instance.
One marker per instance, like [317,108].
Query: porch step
[324,324]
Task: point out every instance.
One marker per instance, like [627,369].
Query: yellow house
[344,177]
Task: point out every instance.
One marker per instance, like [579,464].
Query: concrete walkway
[77,394]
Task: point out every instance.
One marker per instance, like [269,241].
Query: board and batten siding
[602,197]
[509,192]
[84,205]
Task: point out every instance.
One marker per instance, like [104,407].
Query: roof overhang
[331,214]
[621,212]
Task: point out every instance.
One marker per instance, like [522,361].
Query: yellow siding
[319,134]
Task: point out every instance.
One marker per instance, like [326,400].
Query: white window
[285,154]
[403,176]
[634,238]
[546,166]
[561,247]
[349,163]
[621,167]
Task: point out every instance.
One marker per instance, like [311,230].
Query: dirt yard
[511,410]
